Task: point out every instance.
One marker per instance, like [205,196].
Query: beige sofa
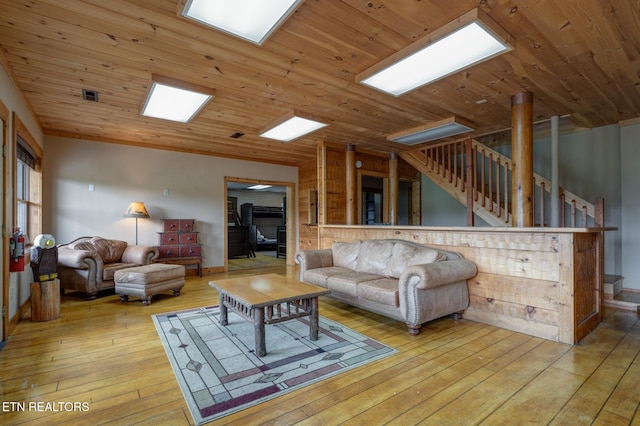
[88,264]
[396,278]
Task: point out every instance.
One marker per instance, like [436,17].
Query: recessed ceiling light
[430,132]
[175,100]
[252,20]
[469,40]
[291,128]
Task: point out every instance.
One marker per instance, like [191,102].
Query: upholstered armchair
[88,264]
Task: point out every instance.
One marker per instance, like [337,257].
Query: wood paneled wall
[546,283]
[307,201]
[328,176]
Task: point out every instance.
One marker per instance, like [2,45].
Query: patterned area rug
[220,374]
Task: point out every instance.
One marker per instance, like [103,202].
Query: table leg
[258,324]
[223,310]
[313,319]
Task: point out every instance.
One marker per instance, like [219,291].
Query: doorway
[372,194]
[260,224]
[373,202]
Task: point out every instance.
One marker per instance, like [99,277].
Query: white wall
[630,206]
[121,174]
[590,167]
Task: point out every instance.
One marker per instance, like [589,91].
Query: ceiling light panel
[252,20]
[430,132]
[463,43]
[174,100]
[292,128]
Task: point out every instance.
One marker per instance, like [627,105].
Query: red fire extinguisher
[16,252]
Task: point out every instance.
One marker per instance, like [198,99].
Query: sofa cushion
[374,256]
[347,282]
[109,270]
[404,255]
[318,276]
[382,290]
[346,254]
[109,250]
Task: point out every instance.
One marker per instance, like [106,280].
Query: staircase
[480,178]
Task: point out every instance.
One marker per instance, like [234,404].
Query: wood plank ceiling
[579,58]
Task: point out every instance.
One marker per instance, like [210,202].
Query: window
[28,182]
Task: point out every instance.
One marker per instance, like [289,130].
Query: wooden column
[351,184]
[322,183]
[394,188]
[555,170]
[522,158]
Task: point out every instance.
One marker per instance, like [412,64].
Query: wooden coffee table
[269,299]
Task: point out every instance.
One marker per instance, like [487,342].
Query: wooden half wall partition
[545,282]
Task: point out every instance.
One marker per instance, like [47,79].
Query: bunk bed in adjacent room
[267,221]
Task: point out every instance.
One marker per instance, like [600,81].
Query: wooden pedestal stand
[45,300]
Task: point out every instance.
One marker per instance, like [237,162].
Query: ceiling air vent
[237,135]
[90,95]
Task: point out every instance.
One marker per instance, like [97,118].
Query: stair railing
[491,183]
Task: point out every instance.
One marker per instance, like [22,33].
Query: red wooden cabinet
[178,243]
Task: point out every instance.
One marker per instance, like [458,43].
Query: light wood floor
[108,355]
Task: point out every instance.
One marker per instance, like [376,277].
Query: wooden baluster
[482,171]
[464,178]
[455,164]
[498,168]
[562,210]
[449,166]
[533,200]
[573,213]
[584,216]
[507,168]
[474,153]
[541,203]
[490,182]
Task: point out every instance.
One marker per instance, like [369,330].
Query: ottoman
[147,280]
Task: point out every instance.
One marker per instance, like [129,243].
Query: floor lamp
[138,210]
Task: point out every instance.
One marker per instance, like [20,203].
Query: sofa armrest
[312,259]
[78,259]
[437,274]
[140,254]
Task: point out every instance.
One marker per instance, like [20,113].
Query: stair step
[626,299]
[612,286]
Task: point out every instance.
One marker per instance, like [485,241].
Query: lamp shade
[137,209]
